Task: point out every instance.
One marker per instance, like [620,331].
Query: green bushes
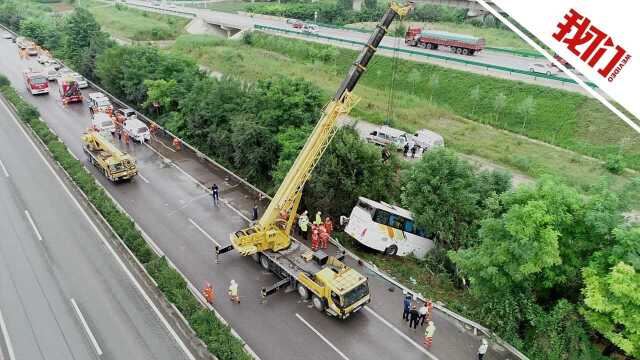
[216,335]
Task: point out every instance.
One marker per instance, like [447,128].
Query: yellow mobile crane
[334,287]
[114,164]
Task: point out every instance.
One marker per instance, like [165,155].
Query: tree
[527,108]
[255,151]
[371,4]
[448,199]
[349,168]
[78,30]
[474,95]
[612,292]
[291,142]
[42,30]
[283,102]
[160,92]
[414,77]
[499,104]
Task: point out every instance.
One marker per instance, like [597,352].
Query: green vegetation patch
[124,21]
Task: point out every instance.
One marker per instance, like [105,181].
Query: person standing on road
[428,335]
[414,315]
[233,292]
[423,313]
[214,194]
[208,293]
[482,350]
[407,307]
[303,224]
[318,220]
[328,225]
[314,237]
[255,212]
[414,148]
[429,309]
[324,237]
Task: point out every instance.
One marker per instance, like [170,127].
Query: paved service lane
[50,254]
[175,212]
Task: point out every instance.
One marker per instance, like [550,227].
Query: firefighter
[152,129]
[428,335]
[324,237]
[177,144]
[314,237]
[208,293]
[233,292]
[125,137]
[328,225]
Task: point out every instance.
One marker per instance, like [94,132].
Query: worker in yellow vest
[428,335]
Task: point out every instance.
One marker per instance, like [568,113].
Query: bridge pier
[203,26]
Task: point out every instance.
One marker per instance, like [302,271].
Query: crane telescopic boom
[272,231]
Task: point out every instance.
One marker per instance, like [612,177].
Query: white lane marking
[4,169]
[403,335]
[7,339]
[33,225]
[204,233]
[143,178]
[153,306]
[163,144]
[342,355]
[86,327]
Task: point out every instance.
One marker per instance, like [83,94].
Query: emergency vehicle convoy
[69,90]
[116,165]
[36,82]
[431,39]
[334,287]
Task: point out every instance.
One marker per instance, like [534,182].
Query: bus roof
[387,207]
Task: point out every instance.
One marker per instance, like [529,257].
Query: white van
[385,135]
[102,122]
[137,130]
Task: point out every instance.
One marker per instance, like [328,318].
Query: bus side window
[381,217]
[408,226]
[421,232]
[396,221]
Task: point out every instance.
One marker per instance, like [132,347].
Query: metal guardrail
[427,55]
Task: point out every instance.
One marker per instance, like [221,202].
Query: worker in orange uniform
[328,225]
[324,237]
[125,137]
[153,128]
[429,309]
[314,237]
[177,144]
[428,335]
[208,293]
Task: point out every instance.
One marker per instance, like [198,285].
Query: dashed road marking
[4,169]
[33,225]
[204,232]
[143,178]
[342,355]
[7,339]
[94,342]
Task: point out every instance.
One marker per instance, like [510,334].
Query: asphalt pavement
[50,254]
[178,215]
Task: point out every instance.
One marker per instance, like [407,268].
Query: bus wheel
[264,262]
[318,303]
[391,250]
[303,291]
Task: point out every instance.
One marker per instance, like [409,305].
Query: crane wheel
[303,291]
[264,262]
[318,303]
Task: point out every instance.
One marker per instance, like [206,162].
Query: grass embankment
[133,24]
[495,37]
[563,118]
[216,335]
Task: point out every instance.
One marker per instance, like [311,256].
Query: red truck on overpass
[37,82]
[431,39]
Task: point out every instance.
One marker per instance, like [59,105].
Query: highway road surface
[63,293]
[242,21]
[167,200]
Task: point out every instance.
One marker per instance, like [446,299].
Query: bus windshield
[355,294]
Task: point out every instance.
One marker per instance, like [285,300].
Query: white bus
[386,228]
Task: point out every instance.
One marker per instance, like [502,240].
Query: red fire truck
[37,82]
[69,90]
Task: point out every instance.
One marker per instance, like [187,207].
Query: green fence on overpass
[427,55]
